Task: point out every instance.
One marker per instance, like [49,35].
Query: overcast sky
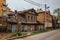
[21,4]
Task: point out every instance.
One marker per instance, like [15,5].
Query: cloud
[21,4]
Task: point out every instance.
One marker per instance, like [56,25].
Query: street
[52,35]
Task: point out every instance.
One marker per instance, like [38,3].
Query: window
[48,18]
[32,27]
[28,17]
[13,28]
[34,18]
[25,28]
[31,17]
[4,13]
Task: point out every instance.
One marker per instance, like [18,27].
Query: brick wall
[48,20]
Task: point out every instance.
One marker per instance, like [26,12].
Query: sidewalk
[5,35]
[43,36]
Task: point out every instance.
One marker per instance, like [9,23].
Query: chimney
[15,11]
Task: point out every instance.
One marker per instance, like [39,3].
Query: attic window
[31,10]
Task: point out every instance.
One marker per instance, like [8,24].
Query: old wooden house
[23,21]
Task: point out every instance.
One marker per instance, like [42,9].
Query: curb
[16,37]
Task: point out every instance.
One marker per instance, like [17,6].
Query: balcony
[11,21]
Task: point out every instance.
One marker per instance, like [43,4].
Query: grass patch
[43,30]
[40,31]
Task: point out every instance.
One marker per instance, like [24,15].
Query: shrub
[17,34]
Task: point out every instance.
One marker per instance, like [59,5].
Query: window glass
[28,17]
[25,28]
[32,18]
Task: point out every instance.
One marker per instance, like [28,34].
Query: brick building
[45,18]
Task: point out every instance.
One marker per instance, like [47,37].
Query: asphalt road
[52,35]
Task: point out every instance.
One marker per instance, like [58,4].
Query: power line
[34,3]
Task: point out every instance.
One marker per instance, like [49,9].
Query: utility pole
[45,17]
[46,23]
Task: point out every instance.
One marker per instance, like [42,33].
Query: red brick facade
[45,18]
